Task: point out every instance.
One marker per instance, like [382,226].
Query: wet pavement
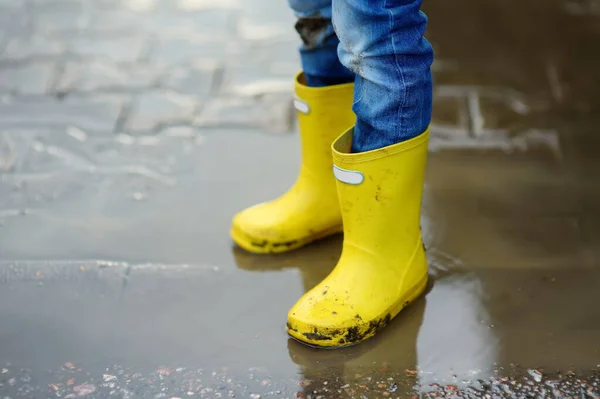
[131,132]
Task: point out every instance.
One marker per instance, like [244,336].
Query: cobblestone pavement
[131,131]
[141,66]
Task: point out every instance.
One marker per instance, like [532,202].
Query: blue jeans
[380,46]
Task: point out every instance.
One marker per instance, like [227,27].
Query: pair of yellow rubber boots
[374,197]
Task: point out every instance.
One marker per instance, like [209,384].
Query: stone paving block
[265,53]
[57,5]
[14,22]
[58,152]
[218,22]
[51,164]
[261,86]
[11,16]
[146,6]
[204,5]
[502,112]
[254,81]
[268,13]
[48,151]
[3,40]
[450,112]
[120,22]
[155,109]
[445,138]
[8,153]
[35,78]
[270,112]
[582,7]
[97,75]
[8,4]
[469,117]
[46,169]
[198,79]
[479,98]
[273,66]
[107,4]
[214,24]
[97,114]
[188,132]
[58,20]
[184,49]
[248,29]
[22,48]
[493,109]
[120,50]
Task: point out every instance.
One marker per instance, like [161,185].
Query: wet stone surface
[71,381]
[131,131]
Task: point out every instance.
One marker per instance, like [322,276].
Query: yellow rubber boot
[382,267]
[310,209]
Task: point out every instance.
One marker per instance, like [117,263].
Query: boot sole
[264,246]
[409,297]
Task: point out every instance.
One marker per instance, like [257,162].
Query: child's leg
[318,52]
[383,266]
[382,42]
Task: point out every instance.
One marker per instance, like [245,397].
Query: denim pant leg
[382,42]
[318,52]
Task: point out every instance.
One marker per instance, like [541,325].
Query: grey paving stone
[154,109]
[268,13]
[117,21]
[450,113]
[252,30]
[583,7]
[8,153]
[8,4]
[213,22]
[271,112]
[14,22]
[57,5]
[266,53]
[62,22]
[3,39]
[182,131]
[95,114]
[107,4]
[502,112]
[45,156]
[253,80]
[185,49]
[120,50]
[196,79]
[482,105]
[60,18]
[46,151]
[99,75]
[479,117]
[35,78]
[21,48]
[272,65]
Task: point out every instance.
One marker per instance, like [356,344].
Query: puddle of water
[181,295]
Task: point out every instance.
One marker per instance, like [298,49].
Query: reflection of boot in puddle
[314,262]
[380,367]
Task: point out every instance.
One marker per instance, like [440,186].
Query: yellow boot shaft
[323,114]
[383,267]
[382,213]
[310,209]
